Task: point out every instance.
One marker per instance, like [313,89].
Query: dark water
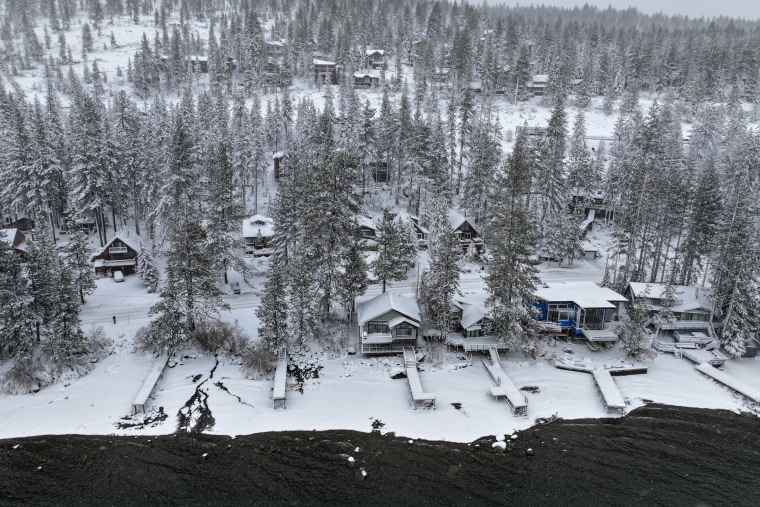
[656,455]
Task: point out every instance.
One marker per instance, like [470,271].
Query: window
[378,327]
[404,331]
[559,312]
[473,333]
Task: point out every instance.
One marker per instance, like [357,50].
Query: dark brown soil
[655,456]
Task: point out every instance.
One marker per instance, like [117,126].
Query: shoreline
[657,453]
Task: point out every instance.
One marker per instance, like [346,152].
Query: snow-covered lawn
[352,391]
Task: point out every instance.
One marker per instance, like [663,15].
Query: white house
[387,323]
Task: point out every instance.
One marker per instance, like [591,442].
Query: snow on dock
[280,376]
[729,381]
[420,399]
[155,373]
[504,387]
[611,397]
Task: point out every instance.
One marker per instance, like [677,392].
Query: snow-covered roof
[322,62]
[371,52]
[584,294]
[128,243]
[258,225]
[456,220]
[381,304]
[10,235]
[691,298]
[403,215]
[473,314]
[540,78]
[366,222]
[367,73]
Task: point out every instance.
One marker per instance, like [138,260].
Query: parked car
[235,287]
[118,276]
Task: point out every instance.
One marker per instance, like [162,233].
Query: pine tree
[224,214]
[189,296]
[512,279]
[65,336]
[17,319]
[355,279]
[392,261]
[78,261]
[441,279]
[273,311]
[146,267]
[632,335]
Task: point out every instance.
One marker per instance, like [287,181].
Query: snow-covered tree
[632,335]
[512,278]
[393,259]
[273,311]
[146,267]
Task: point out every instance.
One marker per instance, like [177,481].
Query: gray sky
[748,9]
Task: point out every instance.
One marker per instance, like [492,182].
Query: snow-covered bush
[218,336]
[257,361]
[435,351]
[26,376]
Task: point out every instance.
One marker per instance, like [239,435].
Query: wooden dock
[280,378]
[155,373]
[420,399]
[611,398]
[729,381]
[505,388]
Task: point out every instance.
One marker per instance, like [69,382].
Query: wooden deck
[611,397]
[730,382]
[280,377]
[505,388]
[420,399]
[155,373]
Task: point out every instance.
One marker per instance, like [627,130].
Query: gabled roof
[103,250]
[366,222]
[258,225]
[584,294]
[379,305]
[371,52]
[367,73]
[691,298]
[456,220]
[473,315]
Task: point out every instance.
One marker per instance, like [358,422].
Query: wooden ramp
[155,373]
[729,381]
[611,397]
[420,399]
[504,387]
[280,376]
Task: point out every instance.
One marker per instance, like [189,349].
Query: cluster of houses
[567,310]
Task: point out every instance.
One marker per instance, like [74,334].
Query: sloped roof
[584,294]
[691,298]
[128,243]
[473,314]
[258,225]
[374,307]
[322,62]
[456,220]
[373,51]
[366,222]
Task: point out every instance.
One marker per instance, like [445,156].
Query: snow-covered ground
[352,391]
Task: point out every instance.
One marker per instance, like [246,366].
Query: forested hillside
[162,117]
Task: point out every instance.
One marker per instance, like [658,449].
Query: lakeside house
[387,323]
[582,309]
